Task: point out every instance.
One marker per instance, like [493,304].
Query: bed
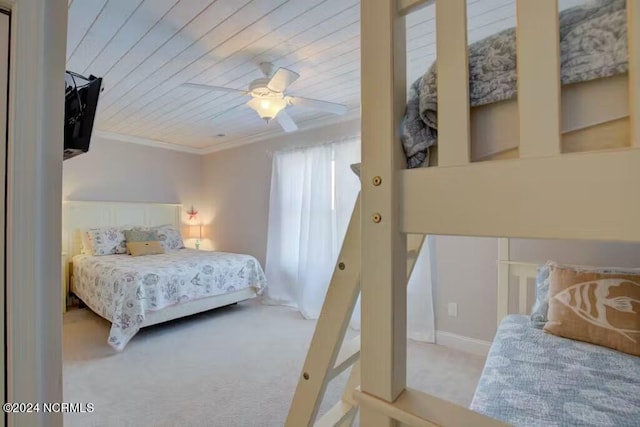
[135,292]
[547,188]
[125,289]
[533,378]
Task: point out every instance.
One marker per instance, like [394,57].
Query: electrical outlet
[452,309]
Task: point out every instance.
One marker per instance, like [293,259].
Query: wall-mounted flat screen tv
[81,102]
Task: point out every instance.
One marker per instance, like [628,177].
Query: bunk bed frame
[503,198]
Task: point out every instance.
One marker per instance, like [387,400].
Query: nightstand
[64,282]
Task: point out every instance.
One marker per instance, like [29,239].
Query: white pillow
[169,235]
[107,241]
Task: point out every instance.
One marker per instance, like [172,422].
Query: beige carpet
[235,366]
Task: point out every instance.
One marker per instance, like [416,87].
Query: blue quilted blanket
[532,378]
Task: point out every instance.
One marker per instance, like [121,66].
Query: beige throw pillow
[145,248]
[599,307]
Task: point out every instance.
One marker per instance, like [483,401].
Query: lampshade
[195,231]
[267,108]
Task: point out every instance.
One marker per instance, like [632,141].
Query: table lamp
[195,232]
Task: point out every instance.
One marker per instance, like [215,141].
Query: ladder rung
[352,383]
[336,415]
[349,353]
[418,409]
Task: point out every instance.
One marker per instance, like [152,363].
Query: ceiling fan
[269,100]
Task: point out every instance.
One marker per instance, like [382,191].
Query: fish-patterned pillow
[598,307]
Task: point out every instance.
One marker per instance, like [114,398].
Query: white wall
[466,274]
[124,172]
[120,171]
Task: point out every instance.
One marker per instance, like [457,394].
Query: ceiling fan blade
[316,104]
[282,79]
[213,88]
[286,121]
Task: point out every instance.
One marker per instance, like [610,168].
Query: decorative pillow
[541,305]
[169,236]
[594,306]
[107,241]
[136,235]
[145,248]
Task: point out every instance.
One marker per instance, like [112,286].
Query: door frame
[5,51]
[33,328]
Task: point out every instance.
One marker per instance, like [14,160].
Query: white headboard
[82,215]
[524,272]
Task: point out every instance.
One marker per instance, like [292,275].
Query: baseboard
[462,343]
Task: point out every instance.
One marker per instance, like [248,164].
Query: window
[313,191]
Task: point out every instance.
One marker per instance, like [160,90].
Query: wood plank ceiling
[145,50]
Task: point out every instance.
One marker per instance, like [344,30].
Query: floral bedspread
[122,288]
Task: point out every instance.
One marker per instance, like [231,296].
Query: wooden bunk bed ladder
[328,355]
[323,361]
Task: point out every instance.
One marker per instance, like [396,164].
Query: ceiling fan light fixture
[267,108]
[269,98]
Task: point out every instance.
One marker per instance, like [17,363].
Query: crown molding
[146,141]
[352,114]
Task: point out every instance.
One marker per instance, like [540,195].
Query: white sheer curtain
[312,195]
[313,191]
